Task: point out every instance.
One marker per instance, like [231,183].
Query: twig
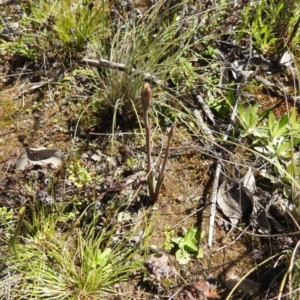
[204,127]
[205,108]
[104,64]
[277,88]
[213,199]
[32,88]
[122,67]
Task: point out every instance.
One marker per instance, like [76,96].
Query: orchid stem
[148,151]
[162,171]
[146,97]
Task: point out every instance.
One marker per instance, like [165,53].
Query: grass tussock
[49,261]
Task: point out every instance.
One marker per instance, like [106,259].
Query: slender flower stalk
[146,97]
[163,167]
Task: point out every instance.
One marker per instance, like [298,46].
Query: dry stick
[213,199]
[122,67]
[205,108]
[33,87]
[207,132]
[277,88]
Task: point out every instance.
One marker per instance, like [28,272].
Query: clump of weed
[56,261]
[271,24]
[71,23]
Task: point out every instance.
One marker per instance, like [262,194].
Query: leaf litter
[234,200]
[39,156]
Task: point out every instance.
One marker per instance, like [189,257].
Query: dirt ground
[41,114]
[185,197]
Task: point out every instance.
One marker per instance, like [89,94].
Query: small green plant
[154,189]
[169,234]
[123,217]
[6,214]
[293,170]
[275,139]
[271,24]
[86,72]
[211,52]
[249,119]
[130,163]
[78,174]
[222,105]
[183,73]
[24,47]
[188,245]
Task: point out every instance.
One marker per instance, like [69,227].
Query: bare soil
[37,113]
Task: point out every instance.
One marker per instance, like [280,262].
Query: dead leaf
[158,266]
[286,59]
[249,181]
[246,285]
[259,213]
[39,156]
[224,75]
[261,222]
[233,201]
[240,68]
[198,290]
